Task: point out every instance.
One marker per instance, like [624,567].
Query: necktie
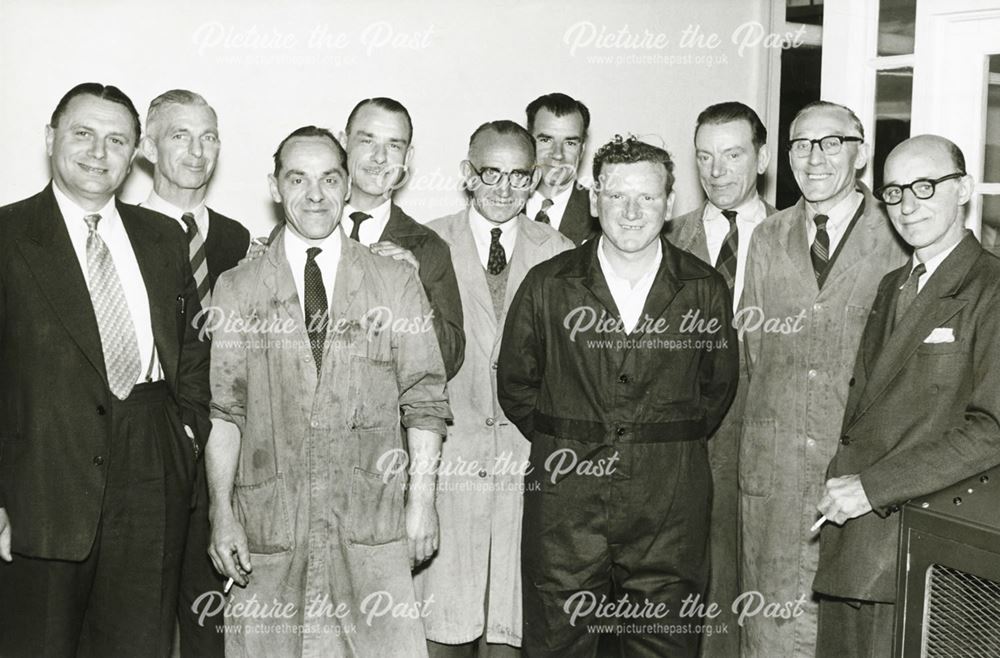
[114,322]
[907,293]
[726,262]
[315,306]
[357,217]
[543,212]
[498,257]
[199,265]
[820,251]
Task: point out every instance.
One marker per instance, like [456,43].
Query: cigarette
[820,521]
[229,586]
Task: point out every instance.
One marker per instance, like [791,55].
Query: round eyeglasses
[831,145]
[519,179]
[922,188]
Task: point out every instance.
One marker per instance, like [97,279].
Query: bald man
[924,402]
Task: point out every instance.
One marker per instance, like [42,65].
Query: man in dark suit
[378,139]
[104,397]
[731,152]
[182,142]
[559,125]
[924,401]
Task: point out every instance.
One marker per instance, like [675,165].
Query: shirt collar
[379,215]
[74,214]
[751,210]
[609,270]
[841,213]
[298,247]
[933,263]
[164,207]
[482,228]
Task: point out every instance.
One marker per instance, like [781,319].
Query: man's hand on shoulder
[393,250]
[4,535]
[258,247]
[844,499]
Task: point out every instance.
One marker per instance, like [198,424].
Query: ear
[272,184]
[536,177]
[670,205]
[763,159]
[965,187]
[409,154]
[862,159]
[468,174]
[342,136]
[347,195]
[148,149]
[594,194]
[50,138]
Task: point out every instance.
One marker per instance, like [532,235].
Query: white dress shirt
[327,260]
[482,234]
[555,211]
[839,218]
[629,299]
[371,229]
[164,207]
[112,232]
[748,216]
[931,264]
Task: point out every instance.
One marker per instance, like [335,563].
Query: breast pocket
[373,393]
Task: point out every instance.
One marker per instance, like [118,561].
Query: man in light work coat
[730,149]
[320,351]
[475,577]
[618,360]
[924,403]
[811,278]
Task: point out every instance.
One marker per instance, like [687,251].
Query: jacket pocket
[757,456]
[375,513]
[263,510]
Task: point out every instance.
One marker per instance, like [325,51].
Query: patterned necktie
[907,293]
[498,257]
[315,306]
[114,322]
[357,217]
[726,262]
[820,251]
[199,265]
[543,212]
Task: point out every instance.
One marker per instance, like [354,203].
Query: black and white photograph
[468,329]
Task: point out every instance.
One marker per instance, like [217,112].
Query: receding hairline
[488,133]
[848,115]
[931,145]
[168,101]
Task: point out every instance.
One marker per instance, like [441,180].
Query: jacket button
[494,365]
[101,410]
[98,461]
[482,473]
[845,440]
[623,379]
[812,374]
[620,431]
[489,422]
[851,383]
[894,508]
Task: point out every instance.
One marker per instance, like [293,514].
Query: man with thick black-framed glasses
[923,411]
[811,277]
[475,577]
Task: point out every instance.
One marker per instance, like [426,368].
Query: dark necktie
[907,293]
[498,257]
[726,262]
[199,265]
[820,251]
[357,217]
[543,212]
[315,306]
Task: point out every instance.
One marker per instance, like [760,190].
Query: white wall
[269,67]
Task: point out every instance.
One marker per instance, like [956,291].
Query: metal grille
[962,615]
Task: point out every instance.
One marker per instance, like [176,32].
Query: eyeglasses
[831,145]
[922,188]
[519,179]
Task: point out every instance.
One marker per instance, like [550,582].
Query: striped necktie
[543,212]
[820,252]
[199,264]
[114,322]
[726,262]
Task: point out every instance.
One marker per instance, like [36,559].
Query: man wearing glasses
[475,577]
[923,412]
[811,277]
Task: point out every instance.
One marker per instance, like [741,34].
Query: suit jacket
[687,231]
[577,223]
[227,243]
[54,395]
[438,278]
[920,416]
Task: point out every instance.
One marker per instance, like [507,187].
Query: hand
[228,547]
[422,532]
[258,247]
[844,499]
[4,536]
[386,248]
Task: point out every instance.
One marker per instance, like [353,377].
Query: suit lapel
[397,229]
[526,248]
[665,287]
[693,238]
[350,276]
[797,248]
[465,257]
[277,276]
[595,282]
[575,223]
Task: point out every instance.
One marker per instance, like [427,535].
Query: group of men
[559,422]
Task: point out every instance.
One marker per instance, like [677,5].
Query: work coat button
[314,424]
[620,431]
[489,422]
[812,374]
[623,379]
[851,382]
[101,410]
[98,461]
[845,440]
[483,473]
[811,443]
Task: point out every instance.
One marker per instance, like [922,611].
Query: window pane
[991,223]
[991,160]
[895,26]
[893,101]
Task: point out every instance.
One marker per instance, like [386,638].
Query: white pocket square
[941,335]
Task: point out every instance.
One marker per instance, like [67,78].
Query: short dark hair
[558,104]
[104,92]
[629,150]
[504,127]
[815,105]
[308,131]
[733,111]
[383,103]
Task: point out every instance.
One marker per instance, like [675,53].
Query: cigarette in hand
[229,586]
[820,521]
